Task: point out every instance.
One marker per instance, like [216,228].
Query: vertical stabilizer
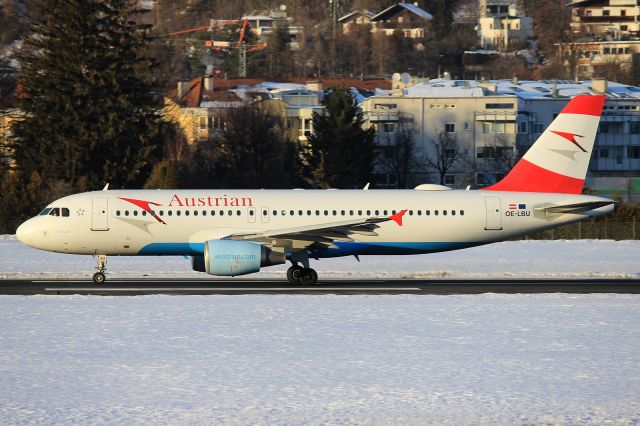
[558,160]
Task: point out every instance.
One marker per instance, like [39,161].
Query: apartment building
[606,19]
[493,123]
[502,26]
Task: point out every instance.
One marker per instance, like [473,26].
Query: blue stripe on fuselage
[344,248]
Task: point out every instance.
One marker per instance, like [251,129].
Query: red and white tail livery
[558,161]
[236,232]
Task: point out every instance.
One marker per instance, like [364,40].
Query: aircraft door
[100,214]
[251,214]
[494,213]
[265,214]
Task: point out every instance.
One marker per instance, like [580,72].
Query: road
[127,287]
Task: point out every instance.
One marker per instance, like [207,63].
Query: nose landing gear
[101,266]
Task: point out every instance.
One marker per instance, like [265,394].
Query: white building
[617,19]
[495,122]
[501,25]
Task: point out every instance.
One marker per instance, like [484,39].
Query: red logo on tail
[145,205]
[571,137]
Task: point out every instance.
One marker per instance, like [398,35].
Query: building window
[499,106]
[623,12]
[450,127]
[522,127]
[605,13]
[634,128]
[539,128]
[480,180]
[603,152]
[203,123]
[467,127]
[633,152]
[493,127]
[389,127]
[449,179]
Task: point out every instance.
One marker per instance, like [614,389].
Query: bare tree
[400,154]
[500,157]
[445,155]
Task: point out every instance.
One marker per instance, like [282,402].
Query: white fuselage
[104,223]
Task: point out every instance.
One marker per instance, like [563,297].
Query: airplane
[237,232]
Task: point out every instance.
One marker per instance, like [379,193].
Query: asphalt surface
[127,287]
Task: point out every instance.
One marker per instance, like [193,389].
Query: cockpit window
[65,212]
[45,211]
[55,212]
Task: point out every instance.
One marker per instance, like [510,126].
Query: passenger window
[350,212]
[410,212]
[65,212]
[444,212]
[384,213]
[264,213]
[126,212]
[238,213]
[178,213]
[292,213]
[326,212]
[55,212]
[135,212]
[186,212]
[230,212]
[317,212]
[453,212]
[169,212]
[419,212]
[359,212]
[275,213]
[428,212]
[461,212]
[195,212]
[204,212]
[161,212]
[250,212]
[117,212]
[299,212]
[342,212]
[368,212]
[436,212]
[144,213]
[335,212]
[377,212]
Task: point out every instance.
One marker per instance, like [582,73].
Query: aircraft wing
[322,235]
[573,208]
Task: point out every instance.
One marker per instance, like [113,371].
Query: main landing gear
[302,276]
[101,266]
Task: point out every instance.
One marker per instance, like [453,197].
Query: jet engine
[231,258]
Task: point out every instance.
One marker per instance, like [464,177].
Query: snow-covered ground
[530,259]
[323,359]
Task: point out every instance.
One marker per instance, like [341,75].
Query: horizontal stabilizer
[573,208]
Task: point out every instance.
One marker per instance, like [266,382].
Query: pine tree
[92,113]
[341,151]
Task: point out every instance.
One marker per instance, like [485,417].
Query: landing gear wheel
[101,266]
[293,274]
[308,276]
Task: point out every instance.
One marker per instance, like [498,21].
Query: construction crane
[240,44]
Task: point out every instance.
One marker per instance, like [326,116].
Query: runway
[129,287]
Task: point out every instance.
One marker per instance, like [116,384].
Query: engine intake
[231,258]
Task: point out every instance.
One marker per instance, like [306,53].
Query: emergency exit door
[494,213]
[100,215]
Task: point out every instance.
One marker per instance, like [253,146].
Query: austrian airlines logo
[146,206]
[571,137]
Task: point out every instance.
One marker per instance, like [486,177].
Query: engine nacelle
[231,258]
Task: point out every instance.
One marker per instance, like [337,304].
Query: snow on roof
[410,7]
[525,90]
[418,11]
[357,12]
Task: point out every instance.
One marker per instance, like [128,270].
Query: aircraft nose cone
[25,233]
